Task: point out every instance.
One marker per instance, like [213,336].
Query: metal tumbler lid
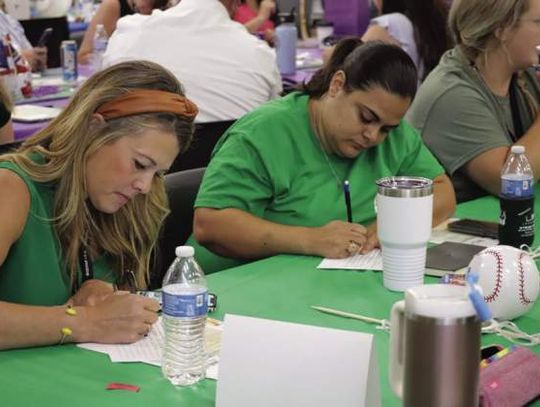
[405,187]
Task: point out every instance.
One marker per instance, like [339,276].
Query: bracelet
[65,331]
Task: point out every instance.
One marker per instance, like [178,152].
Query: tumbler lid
[439,301]
[408,187]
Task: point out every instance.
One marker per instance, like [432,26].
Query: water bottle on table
[516,222]
[185,306]
[101,39]
[286,36]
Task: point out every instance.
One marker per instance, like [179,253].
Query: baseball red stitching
[521,275]
[498,276]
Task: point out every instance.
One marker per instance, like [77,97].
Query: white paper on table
[369,261]
[268,363]
[148,349]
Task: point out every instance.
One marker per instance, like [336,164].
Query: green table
[281,288]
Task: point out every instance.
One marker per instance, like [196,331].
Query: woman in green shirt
[80,209]
[275,181]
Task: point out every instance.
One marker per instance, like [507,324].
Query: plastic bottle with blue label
[286,37]
[185,306]
[101,40]
[517,221]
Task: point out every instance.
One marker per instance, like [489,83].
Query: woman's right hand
[119,318]
[337,239]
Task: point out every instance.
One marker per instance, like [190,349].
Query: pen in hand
[347,194]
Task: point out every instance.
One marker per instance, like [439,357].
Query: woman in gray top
[483,97]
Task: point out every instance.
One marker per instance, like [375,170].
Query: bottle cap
[518,149]
[184,251]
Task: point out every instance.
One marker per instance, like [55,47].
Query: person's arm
[266,8]
[236,233]
[444,199]
[121,318]
[377,33]
[107,14]
[485,168]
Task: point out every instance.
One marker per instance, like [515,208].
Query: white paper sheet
[148,349]
[369,261]
[268,363]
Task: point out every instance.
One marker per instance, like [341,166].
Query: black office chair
[182,188]
[10,146]
[205,138]
[33,29]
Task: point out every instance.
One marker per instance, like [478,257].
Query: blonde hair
[128,236]
[475,23]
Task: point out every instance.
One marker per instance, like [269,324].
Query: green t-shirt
[460,118]
[270,164]
[34,271]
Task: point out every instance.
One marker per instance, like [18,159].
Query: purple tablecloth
[24,130]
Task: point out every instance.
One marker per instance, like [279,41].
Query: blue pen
[347,193]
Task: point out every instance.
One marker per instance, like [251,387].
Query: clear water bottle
[101,39]
[185,306]
[516,222]
[286,37]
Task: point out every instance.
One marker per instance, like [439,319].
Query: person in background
[108,14]
[85,206]
[483,96]
[275,181]
[6,126]
[417,26]
[257,17]
[36,56]
[225,70]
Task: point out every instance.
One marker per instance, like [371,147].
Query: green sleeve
[236,178]
[460,126]
[417,160]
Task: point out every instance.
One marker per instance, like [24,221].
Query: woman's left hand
[91,292]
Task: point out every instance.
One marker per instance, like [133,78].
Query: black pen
[347,194]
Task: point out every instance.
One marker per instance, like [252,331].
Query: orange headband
[139,101]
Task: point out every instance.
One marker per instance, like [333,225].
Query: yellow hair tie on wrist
[71,311]
[67,331]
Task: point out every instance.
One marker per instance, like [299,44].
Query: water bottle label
[185,305]
[518,188]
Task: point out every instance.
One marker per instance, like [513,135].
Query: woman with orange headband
[85,203]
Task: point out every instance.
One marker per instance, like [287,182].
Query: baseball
[509,280]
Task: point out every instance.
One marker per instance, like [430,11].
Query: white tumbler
[404,211]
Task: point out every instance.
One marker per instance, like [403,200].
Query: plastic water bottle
[516,222]
[185,305]
[286,36]
[101,39]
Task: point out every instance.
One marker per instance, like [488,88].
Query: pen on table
[347,193]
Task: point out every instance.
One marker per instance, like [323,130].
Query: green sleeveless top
[34,270]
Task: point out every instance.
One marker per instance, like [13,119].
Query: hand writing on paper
[334,239]
[121,318]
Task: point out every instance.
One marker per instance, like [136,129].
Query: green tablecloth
[281,288]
